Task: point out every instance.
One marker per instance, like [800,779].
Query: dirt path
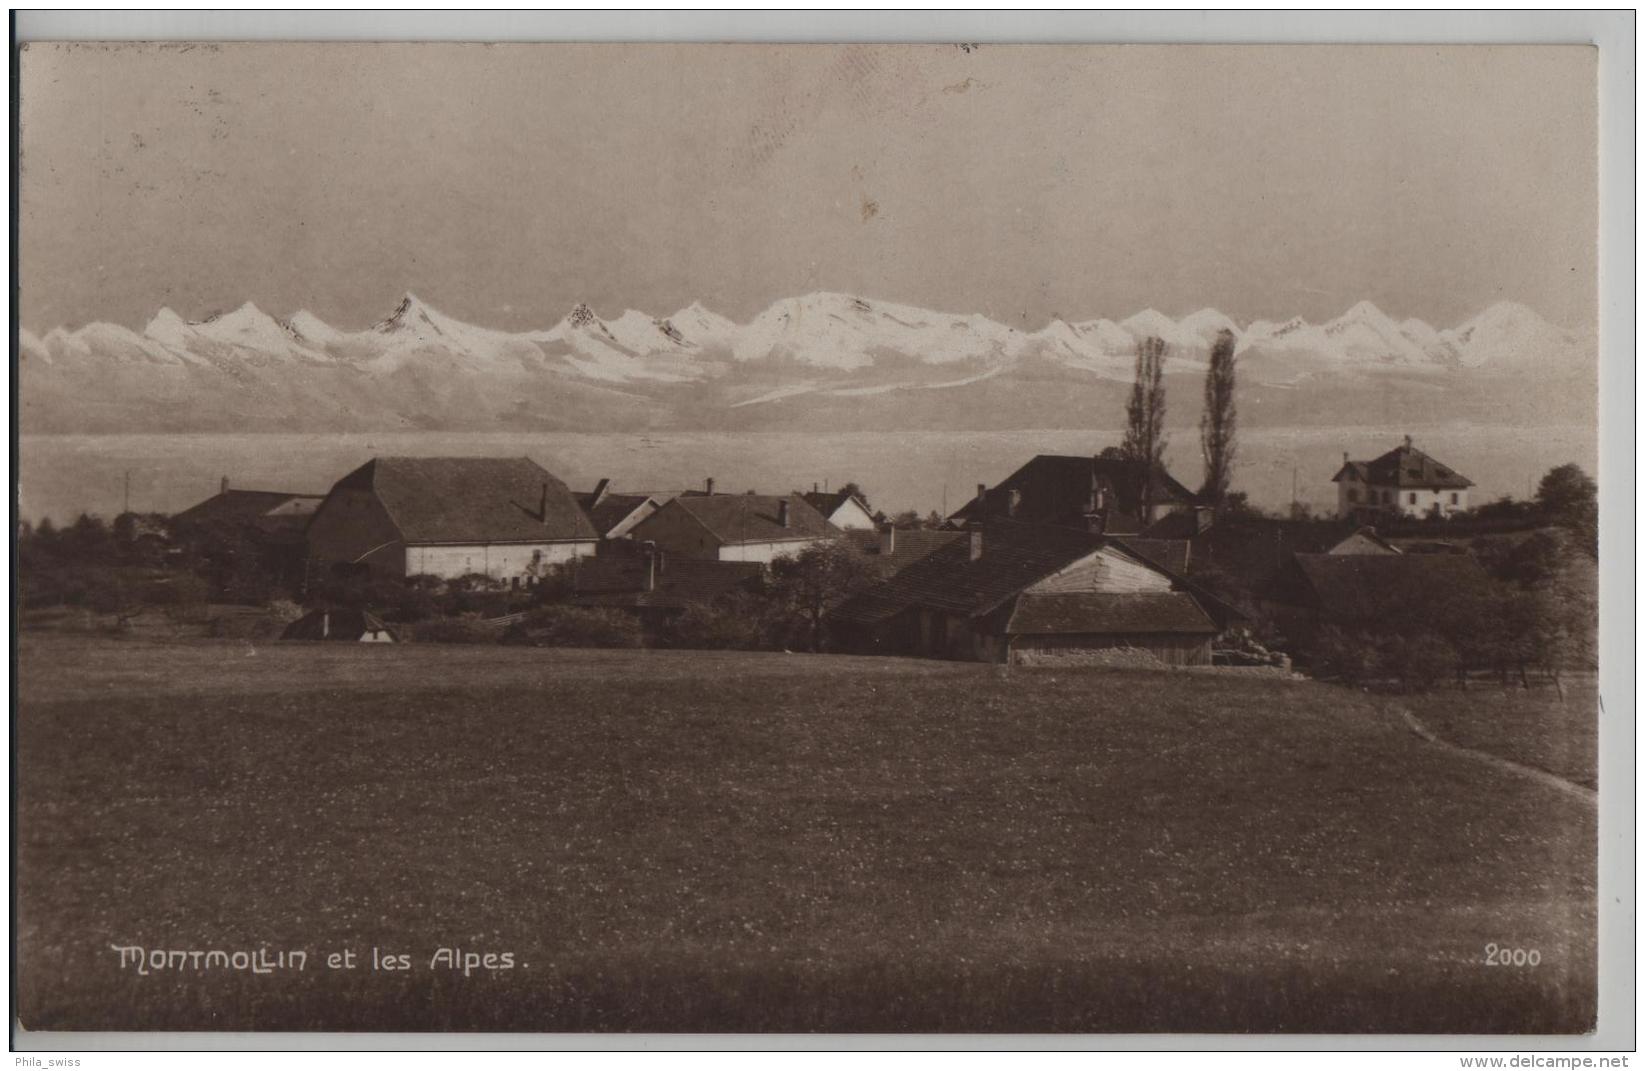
[1553,781]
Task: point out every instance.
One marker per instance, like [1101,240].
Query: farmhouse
[1254,550]
[613,514]
[734,528]
[506,518]
[1097,494]
[1371,590]
[843,509]
[1404,480]
[1012,592]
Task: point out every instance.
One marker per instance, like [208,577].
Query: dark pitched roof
[611,509]
[235,505]
[753,518]
[1169,554]
[472,499]
[1254,550]
[826,502]
[1014,556]
[1353,586]
[1403,466]
[1095,612]
[1057,489]
[910,545]
[680,582]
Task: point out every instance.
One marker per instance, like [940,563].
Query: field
[681,841]
[1531,727]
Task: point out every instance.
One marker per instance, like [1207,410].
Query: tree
[1569,497]
[1217,423]
[817,579]
[1145,419]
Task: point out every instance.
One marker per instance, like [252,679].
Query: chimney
[708,486]
[888,540]
[599,491]
[542,505]
[222,488]
[813,486]
[1345,457]
[1013,501]
[982,498]
[782,513]
[1407,442]
[975,537]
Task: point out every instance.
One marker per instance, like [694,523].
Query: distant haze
[506,183]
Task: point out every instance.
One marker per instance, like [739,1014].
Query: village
[1098,560]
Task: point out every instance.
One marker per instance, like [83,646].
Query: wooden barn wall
[1106,570]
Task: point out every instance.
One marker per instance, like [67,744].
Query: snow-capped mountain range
[822,352]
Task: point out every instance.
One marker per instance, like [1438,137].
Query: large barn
[507,518]
[1009,592]
[735,528]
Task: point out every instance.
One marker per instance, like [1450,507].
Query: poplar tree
[1145,420]
[1217,424]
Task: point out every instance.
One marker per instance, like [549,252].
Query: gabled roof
[826,502]
[1354,586]
[1014,557]
[611,509]
[734,519]
[1253,551]
[1098,612]
[1057,489]
[1403,466]
[472,499]
[236,506]
[909,546]
[680,582]
[1169,554]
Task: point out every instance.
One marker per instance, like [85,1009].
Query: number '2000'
[1497,956]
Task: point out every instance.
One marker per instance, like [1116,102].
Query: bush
[1419,661]
[741,622]
[576,626]
[468,629]
[716,628]
[179,589]
[1353,656]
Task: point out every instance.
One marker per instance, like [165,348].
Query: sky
[503,184]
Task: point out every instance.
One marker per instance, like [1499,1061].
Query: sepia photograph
[939,538]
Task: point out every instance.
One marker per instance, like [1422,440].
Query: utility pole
[126,504]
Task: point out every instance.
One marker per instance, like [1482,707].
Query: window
[1453,498]
[1413,498]
[1353,494]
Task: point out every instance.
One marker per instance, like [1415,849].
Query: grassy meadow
[1533,727]
[688,841]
